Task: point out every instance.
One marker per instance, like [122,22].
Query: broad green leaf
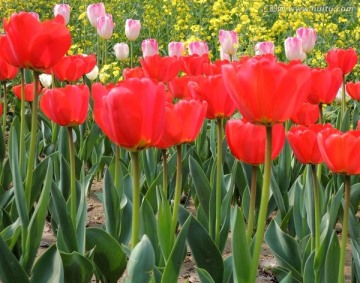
[11,234]
[111,206]
[309,276]
[204,276]
[278,195]
[228,270]
[165,235]
[77,268]
[332,259]
[287,279]
[109,257]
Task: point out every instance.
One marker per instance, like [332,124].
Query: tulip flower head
[132,29]
[95,11]
[308,114]
[149,47]
[345,59]
[308,38]
[63,10]
[45,80]
[229,41]
[265,47]
[93,74]
[353,89]
[121,51]
[7,71]
[105,26]
[293,49]
[29,91]
[176,49]
[198,47]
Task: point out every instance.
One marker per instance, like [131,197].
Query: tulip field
[207,133]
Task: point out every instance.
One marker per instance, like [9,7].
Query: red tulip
[183,122]
[307,114]
[194,65]
[345,59]
[29,43]
[132,113]
[212,89]
[340,151]
[160,69]
[303,142]
[353,89]
[178,87]
[266,92]
[325,84]
[66,106]
[29,91]
[136,72]
[7,71]
[247,141]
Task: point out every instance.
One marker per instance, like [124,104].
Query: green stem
[22,120]
[163,151]
[135,172]
[33,142]
[265,191]
[105,51]
[343,98]
[131,54]
[72,178]
[321,116]
[55,131]
[317,217]
[252,204]
[5,108]
[117,167]
[344,231]
[218,180]
[177,188]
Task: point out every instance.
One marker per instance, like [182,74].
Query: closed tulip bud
[265,47]
[46,80]
[93,74]
[224,56]
[308,37]
[198,47]
[229,41]
[149,47]
[105,26]
[64,10]
[132,29]
[176,49]
[121,51]
[95,11]
[293,49]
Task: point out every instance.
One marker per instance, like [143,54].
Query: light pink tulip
[132,29]
[176,48]
[121,51]
[265,47]
[95,11]
[308,37]
[63,10]
[149,47]
[198,47]
[105,26]
[293,49]
[35,15]
[224,56]
[229,41]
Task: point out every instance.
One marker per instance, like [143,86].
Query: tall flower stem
[5,107]
[72,178]
[163,152]
[317,216]
[131,54]
[218,180]
[117,167]
[105,52]
[252,204]
[177,188]
[135,174]
[265,191]
[344,231]
[343,99]
[321,121]
[32,148]
[22,119]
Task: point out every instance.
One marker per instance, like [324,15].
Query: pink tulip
[176,48]
[198,47]
[149,47]
[63,10]
[35,15]
[228,40]
[265,47]
[95,11]
[293,49]
[121,51]
[308,37]
[105,26]
[132,29]
[224,56]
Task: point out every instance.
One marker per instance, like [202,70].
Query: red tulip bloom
[340,151]
[29,91]
[7,71]
[66,106]
[31,44]
[353,89]
[247,141]
[160,69]
[136,72]
[325,84]
[345,59]
[178,87]
[212,89]
[194,65]
[266,92]
[303,142]
[132,113]
[307,114]
[183,122]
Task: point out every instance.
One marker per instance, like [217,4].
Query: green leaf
[228,270]
[166,237]
[10,269]
[287,279]
[11,233]
[241,257]
[309,275]
[77,268]
[111,206]
[204,250]
[48,268]
[278,195]
[109,257]
[2,146]
[141,262]
[176,259]
[332,259]
[204,276]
